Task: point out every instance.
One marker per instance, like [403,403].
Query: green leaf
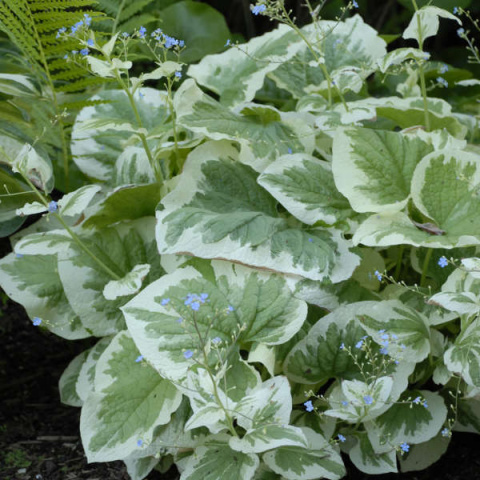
[348,399]
[317,357]
[76,202]
[129,401]
[133,167]
[351,44]
[411,328]
[220,461]
[425,23]
[36,168]
[86,378]
[96,150]
[319,460]
[265,415]
[125,203]
[34,282]
[444,189]
[120,248]
[261,302]
[235,75]
[400,55]
[364,457]
[263,131]
[463,357]
[374,168]
[68,381]
[306,188]
[128,285]
[408,422]
[14,194]
[203,28]
[422,455]
[218,210]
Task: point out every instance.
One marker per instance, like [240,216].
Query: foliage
[278,255]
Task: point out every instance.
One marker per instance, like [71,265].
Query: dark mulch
[39,437]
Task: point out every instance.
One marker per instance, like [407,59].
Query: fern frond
[32,25]
[127,15]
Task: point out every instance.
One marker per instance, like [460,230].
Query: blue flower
[188,354]
[139,443]
[195,306]
[460,32]
[87,19]
[52,206]
[228,43]
[359,344]
[445,432]
[125,35]
[37,321]
[368,399]
[216,340]
[443,68]
[342,346]
[405,447]
[455,10]
[378,275]
[181,43]
[139,358]
[60,31]
[74,52]
[310,240]
[355,4]
[170,41]
[309,406]
[443,262]
[90,42]
[84,51]
[417,400]
[344,403]
[289,151]
[258,9]
[442,81]
[141,32]
[165,301]
[178,74]
[179,320]
[384,336]
[384,351]
[65,56]
[341,437]
[18,255]
[230,308]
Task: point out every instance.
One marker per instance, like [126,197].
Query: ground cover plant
[276,247]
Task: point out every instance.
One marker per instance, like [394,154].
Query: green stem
[212,379]
[174,120]
[425,266]
[143,139]
[421,72]
[74,236]
[317,59]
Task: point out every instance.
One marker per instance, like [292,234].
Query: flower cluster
[194,301]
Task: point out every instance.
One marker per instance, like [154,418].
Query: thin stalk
[117,17]
[215,389]
[174,120]
[425,266]
[143,139]
[74,236]
[317,59]
[421,72]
